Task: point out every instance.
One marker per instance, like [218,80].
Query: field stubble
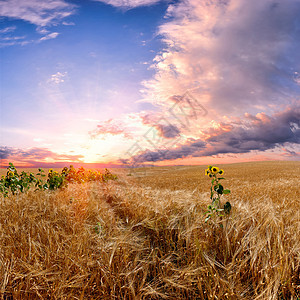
[144,237]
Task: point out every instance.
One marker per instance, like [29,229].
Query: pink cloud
[34,157]
[112,127]
[232,54]
[234,57]
[281,130]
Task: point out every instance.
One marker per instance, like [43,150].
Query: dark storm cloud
[260,132]
[4,152]
[167,131]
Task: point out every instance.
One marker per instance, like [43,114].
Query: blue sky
[98,58]
[83,81]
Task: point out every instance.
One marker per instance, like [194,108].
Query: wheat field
[144,237]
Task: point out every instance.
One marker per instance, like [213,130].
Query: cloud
[260,132]
[58,77]
[37,12]
[232,54]
[34,156]
[4,152]
[8,29]
[49,36]
[164,128]
[290,153]
[6,39]
[168,131]
[189,149]
[13,38]
[129,3]
[42,30]
[112,127]
[6,42]
[68,23]
[42,13]
[253,133]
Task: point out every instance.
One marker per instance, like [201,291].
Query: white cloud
[8,29]
[38,12]
[234,54]
[129,3]
[42,30]
[49,36]
[297,77]
[12,41]
[6,38]
[68,23]
[58,77]
[13,38]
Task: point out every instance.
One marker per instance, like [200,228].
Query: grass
[144,237]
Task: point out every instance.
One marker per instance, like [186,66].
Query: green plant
[55,180]
[99,228]
[14,182]
[39,183]
[108,175]
[3,188]
[216,191]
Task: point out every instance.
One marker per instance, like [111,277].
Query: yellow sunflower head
[215,170]
[221,172]
[207,172]
[10,173]
[51,170]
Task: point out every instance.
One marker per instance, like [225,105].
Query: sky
[143,82]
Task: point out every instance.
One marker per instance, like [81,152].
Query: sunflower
[51,170]
[10,173]
[207,172]
[221,172]
[215,170]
